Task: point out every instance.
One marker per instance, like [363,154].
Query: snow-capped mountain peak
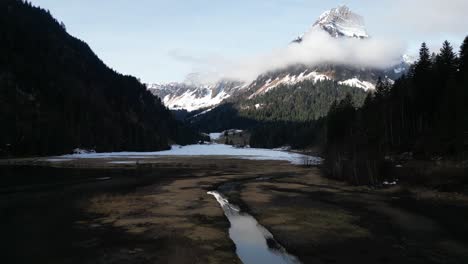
[408,59]
[340,22]
[200,91]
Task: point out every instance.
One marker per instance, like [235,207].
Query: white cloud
[394,24]
[316,48]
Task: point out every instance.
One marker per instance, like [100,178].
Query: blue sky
[162,41]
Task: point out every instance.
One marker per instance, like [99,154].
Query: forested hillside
[424,114]
[303,102]
[289,115]
[57,95]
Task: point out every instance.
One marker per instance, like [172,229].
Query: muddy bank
[159,215]
[160,212]
[323,221]
[116,213]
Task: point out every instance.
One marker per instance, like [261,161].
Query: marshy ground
[159,212]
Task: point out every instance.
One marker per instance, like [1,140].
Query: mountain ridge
[338,22]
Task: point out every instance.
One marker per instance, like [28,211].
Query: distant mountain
[339,22]
[57,95]
[363,78]
[296,104]
[178,96]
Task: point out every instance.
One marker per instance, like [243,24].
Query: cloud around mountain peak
[337,37]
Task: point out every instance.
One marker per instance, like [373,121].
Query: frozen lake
[205,150]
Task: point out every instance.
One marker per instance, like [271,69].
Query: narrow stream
[254,243]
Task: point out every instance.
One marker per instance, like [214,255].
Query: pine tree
[382,89]
[424,62]
[445,95]
[463,59]
[422,69]
[446,61]
[423,95]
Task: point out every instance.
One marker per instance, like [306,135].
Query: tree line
[288,115]
[424,113]
[294,115]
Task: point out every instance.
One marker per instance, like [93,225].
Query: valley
[239,139]
[160,211]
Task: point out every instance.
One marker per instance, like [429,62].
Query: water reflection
[254,243]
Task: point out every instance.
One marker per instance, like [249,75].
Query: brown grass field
[158,211]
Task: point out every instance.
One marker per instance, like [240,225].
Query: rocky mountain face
[339,22]
[190,96]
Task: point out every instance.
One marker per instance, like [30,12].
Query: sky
[164,40]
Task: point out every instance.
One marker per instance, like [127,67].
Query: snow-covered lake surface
[207,150]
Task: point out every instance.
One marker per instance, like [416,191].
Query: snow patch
[223,201]
[355,82]
[283,148]
[215,136]
[290,80]
[83,151]
[191,101]
[387,183]
[341,21]
[204,112]
[409,59]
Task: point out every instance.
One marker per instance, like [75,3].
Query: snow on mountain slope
[177,96]
[339,22]
[289,79]
[191,101]
[408,59]
[355,82]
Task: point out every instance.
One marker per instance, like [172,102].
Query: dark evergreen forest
[289,115]
[56,94]
[423,114]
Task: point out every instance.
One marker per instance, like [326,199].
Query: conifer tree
[463,59]
[446,61]
[422,95]
[424,63]
[422,69]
